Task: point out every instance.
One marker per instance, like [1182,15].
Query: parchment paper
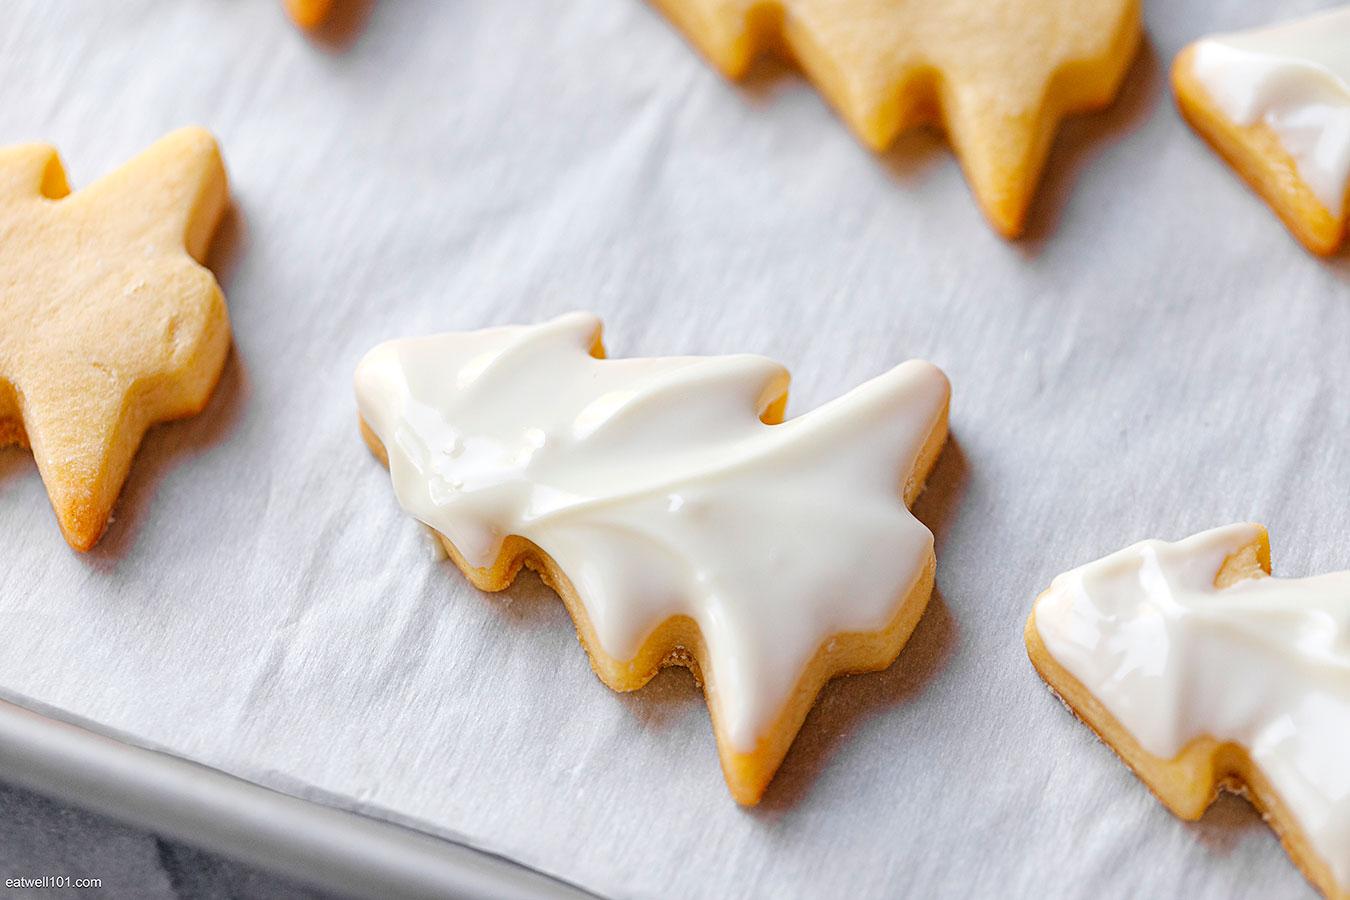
[1157,357]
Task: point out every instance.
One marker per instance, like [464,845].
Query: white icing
[432,541]
[1295,77]
[1264,663]
[657,489]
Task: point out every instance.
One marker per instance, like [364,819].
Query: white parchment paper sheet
[1156,358]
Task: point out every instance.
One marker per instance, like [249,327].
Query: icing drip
[657,489]
[1264,663]
[1294,77]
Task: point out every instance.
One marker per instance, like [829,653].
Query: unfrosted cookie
[108,321]
[997,76]
[308,13]
[1275,103]
[681,521]
[1203,673]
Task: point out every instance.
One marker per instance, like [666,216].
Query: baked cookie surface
[1204,673]
[109,322]
[681,521]
[998,77]
[1275,103]
[308,13]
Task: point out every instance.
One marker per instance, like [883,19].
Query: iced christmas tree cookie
[679,518]
[1275,103]
[1204,673]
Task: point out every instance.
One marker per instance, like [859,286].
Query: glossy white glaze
[1264,663]
[1295,77]
[658,490]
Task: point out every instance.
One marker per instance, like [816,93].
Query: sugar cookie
[108,322]
[681,521]
[1275,103]
[998,76]
[308,13]
[1203,673]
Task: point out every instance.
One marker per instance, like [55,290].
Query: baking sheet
[1156,358]
[345,853]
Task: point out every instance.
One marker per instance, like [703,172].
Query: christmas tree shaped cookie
[997,76]
[681,521]
[108,321]
[1204,673]
[1275,103]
